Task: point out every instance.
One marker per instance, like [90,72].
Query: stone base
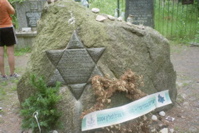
[25,39]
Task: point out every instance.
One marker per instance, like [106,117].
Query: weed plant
[43,102]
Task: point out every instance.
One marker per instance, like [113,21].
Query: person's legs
[8,38]
[2,61]
[11,58]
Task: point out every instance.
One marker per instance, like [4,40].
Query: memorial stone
[29,12]
[142,12]
[57,56]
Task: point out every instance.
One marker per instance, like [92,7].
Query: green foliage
[44,102]
[176,21]
[13,1]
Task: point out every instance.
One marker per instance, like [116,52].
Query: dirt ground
[185,113]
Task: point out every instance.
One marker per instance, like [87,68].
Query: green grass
[107,6]
[176,21]
[19,51]
[6,87]
[22,51]
[2,93]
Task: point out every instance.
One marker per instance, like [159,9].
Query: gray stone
[141,11]
[171,130]
[162,113]
[111,17]
[100,18]
[154,118]
[193,129]
[95,10]
[144,51]
[29,12]
[25,39]
[164,130]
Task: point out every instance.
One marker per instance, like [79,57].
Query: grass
[22,51]
[108,6]
[7,87]
[2,93]
[176,21]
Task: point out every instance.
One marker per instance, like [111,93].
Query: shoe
[3,77]
[15,75]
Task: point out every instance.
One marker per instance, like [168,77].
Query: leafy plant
[42,102]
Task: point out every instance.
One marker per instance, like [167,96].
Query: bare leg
[11,58]
[2,61]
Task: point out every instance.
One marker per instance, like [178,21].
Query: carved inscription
[33,5]
[141,10]
[36,5]
[32,18]
[74,65]
[77,66]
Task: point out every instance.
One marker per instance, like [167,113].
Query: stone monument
[72,46]
[29,12]
[142,12]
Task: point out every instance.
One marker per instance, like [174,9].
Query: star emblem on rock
[75,65]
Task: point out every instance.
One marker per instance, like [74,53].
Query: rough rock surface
[143,50]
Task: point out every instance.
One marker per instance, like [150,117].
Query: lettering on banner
[144,106]
[110,117]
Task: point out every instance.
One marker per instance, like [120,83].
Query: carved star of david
[75,65]
[160,99]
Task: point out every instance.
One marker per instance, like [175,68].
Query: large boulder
[141,49]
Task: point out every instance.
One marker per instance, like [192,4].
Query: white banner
[108,117]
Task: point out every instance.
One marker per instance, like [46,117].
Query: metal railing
[177,19]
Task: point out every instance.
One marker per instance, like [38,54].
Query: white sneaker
[15,75]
